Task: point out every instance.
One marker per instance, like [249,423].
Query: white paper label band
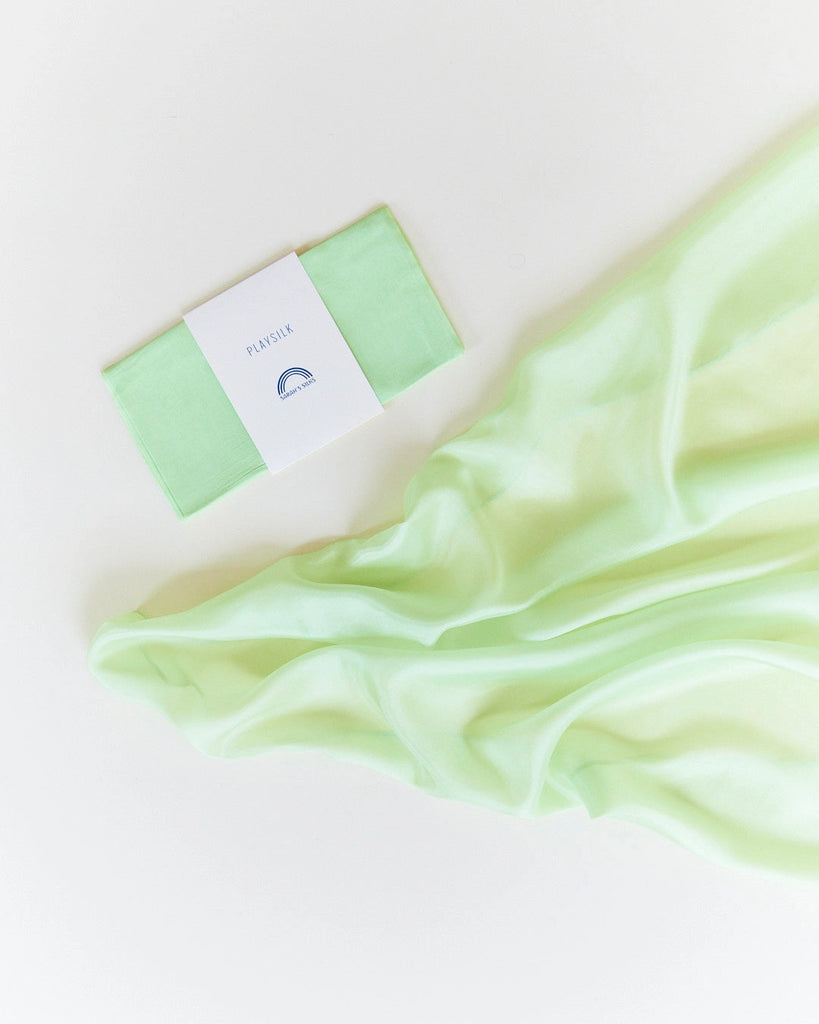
[283,362]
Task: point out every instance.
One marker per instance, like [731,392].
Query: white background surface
[152,153]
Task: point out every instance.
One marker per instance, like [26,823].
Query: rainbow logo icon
[291,377]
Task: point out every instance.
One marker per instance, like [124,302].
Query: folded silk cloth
[185,426]
[605,595]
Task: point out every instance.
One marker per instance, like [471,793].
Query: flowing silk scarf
[603,595]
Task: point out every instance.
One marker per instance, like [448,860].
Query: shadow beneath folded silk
[121,590]
[118,592]
[394,469]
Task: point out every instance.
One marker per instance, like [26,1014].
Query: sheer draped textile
[604,595]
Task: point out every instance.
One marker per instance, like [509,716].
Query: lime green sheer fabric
[603,595]
[181,419]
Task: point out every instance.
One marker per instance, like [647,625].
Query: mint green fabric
[181,419]
[605,595]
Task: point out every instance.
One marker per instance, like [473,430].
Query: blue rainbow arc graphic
[294,371]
